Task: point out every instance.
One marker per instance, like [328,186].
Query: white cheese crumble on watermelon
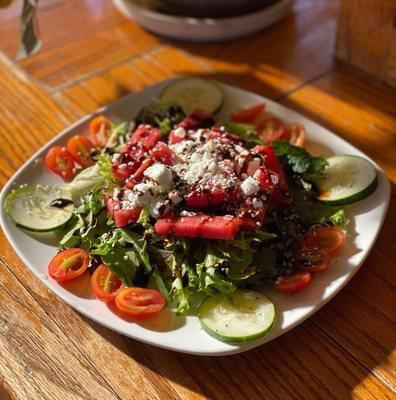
[186,184]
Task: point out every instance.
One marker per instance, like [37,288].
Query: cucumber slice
[248,316]
[192,93]
[346,180]
[29,207]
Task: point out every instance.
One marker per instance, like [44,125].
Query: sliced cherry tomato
[105,285]
[271,129]
[296,134]
[81,149]
[326,238]
[247,114]
[59,160]
[293,283]
[140,302]
[99,129]
[312,259]
[68,264]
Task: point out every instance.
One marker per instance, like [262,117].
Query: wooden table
[91,56]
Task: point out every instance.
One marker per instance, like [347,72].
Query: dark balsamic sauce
[61,203]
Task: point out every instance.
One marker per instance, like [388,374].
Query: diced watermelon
[164,226]
[189,226]
[125,217]
[251,218]
[173,139]
[218,196]
[197,200]
[121,217]
[248,223]
[163,153]
[199,225]
[220,227]
[138,175]
[197,119]
[134,152]
[271,161]
[110,203]
[123,171]
[269,180]
[146,135]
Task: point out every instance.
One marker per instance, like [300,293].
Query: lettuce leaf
[124,252]
[311,212]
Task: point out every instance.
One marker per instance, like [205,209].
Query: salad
[174,209]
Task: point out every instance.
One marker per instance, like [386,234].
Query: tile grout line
[104,381]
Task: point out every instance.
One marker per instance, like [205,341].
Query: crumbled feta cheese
[274,179]
[250,186]
[159,173]
[116,157]
[174,197]
[145,192]
[257,203]
[180,132]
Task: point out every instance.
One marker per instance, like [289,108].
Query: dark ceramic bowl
[206,8]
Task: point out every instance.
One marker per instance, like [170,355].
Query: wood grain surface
[358,46]
[95,56]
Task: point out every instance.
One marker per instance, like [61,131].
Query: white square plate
[185,334]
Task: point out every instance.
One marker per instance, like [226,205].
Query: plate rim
[238,347]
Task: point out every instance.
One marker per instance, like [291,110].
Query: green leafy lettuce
[160,114]
[124,252]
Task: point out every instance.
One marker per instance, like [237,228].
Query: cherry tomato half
[59,161]
[293,283]
[139,302]
[296,134]
[81,148]
[326,238]
[68,264]
[99,129]
[105,285]
[271,129]
[247,114]
[312,260]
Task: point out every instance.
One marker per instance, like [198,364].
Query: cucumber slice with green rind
[29,208]
[243,316]
[191,93]
[346,180]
